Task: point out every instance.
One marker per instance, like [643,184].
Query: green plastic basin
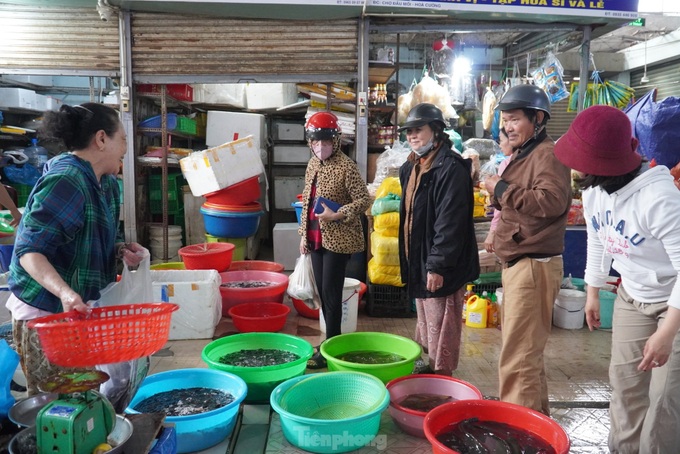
[261,381]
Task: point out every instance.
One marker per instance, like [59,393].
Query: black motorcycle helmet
[525,97]
[423,114]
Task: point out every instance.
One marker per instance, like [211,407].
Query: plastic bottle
[469,293]
[37,155]
[492,314]
[476,312]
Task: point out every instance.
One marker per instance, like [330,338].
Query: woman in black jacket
[437,245]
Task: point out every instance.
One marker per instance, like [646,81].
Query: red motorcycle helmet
[322,126]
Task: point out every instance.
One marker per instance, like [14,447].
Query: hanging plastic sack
[301,284]
[655,125]
[388,204]
[9,360]
[125,377]
[549,77]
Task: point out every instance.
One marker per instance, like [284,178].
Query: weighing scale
[80,419]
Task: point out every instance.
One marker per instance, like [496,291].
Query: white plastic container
[350,307]
[569,309]
[223,127]
[219,167]
[270,95]
[197,292]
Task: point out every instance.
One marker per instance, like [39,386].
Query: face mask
[424,149]
[322,151]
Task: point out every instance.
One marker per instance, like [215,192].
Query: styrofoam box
[286,189]
[286,244]
[43,81]
[219,167]
[291,153]
[197,292]
[225,127]
[229,94]
[270,96]
[289,131]
[18,98]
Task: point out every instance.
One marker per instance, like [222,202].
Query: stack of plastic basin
[233,213]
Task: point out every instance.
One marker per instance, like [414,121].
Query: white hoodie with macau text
[638,227]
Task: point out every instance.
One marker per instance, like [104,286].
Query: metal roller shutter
[68,41]
[166,47]
[665,77]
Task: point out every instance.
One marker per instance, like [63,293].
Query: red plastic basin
[231,296]
[207,256]
[441,418]
[256,265]
[259,317]
[305,310]
[237,194]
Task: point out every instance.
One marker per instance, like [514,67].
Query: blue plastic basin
[203,430]
[298,211]
[225,224]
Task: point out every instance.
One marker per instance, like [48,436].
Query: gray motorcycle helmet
[423,114]
[525,97]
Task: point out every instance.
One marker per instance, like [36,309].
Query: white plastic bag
[125,377]
[301,284]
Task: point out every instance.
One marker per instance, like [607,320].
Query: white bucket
[569,309]
[350,307]
[157,230]
[499,296]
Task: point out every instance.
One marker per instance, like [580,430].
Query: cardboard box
[197,292]
[293,154]
[270,96]
[289,131]
[286,244]
[225,127]
[219,167]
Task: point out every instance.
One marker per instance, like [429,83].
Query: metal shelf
[380,72]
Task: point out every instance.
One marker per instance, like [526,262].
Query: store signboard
[608,9]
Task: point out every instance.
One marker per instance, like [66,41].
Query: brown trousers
[529,291]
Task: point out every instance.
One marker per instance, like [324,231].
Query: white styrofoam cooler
[291,154]
[569,309]
[18,98]
[289,131]
[220,167]
[286,244]
[229,94]
[225,127]
[197,292]
[270,95]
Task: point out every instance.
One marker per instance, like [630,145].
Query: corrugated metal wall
[665,77]
[66,41]
[560,119]
[170,44]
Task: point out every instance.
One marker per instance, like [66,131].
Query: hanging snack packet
[549,78]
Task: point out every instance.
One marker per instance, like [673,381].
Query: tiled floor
[576,367]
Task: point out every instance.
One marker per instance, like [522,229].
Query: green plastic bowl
[336,346]
[330,412]
[261,381]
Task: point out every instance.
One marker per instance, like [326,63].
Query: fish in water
[259,357]
[424,401]
[370,357]
[185,401]
[472,436]
[247,284]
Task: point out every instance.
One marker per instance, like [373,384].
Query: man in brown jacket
[534,196]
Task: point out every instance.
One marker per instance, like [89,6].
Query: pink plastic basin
[411,421]
[271,293]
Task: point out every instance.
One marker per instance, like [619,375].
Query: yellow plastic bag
[387,224]
[384,245]
[389,185]
[384,275]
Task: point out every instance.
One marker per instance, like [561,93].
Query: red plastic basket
[105,334]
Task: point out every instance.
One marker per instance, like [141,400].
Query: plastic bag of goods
[388,204]
[384,274]
[387,224]
[549,78]
[385,249]
[388,186]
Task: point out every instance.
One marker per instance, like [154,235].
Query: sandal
[317,361]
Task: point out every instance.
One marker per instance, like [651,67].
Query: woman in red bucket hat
[632,219]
